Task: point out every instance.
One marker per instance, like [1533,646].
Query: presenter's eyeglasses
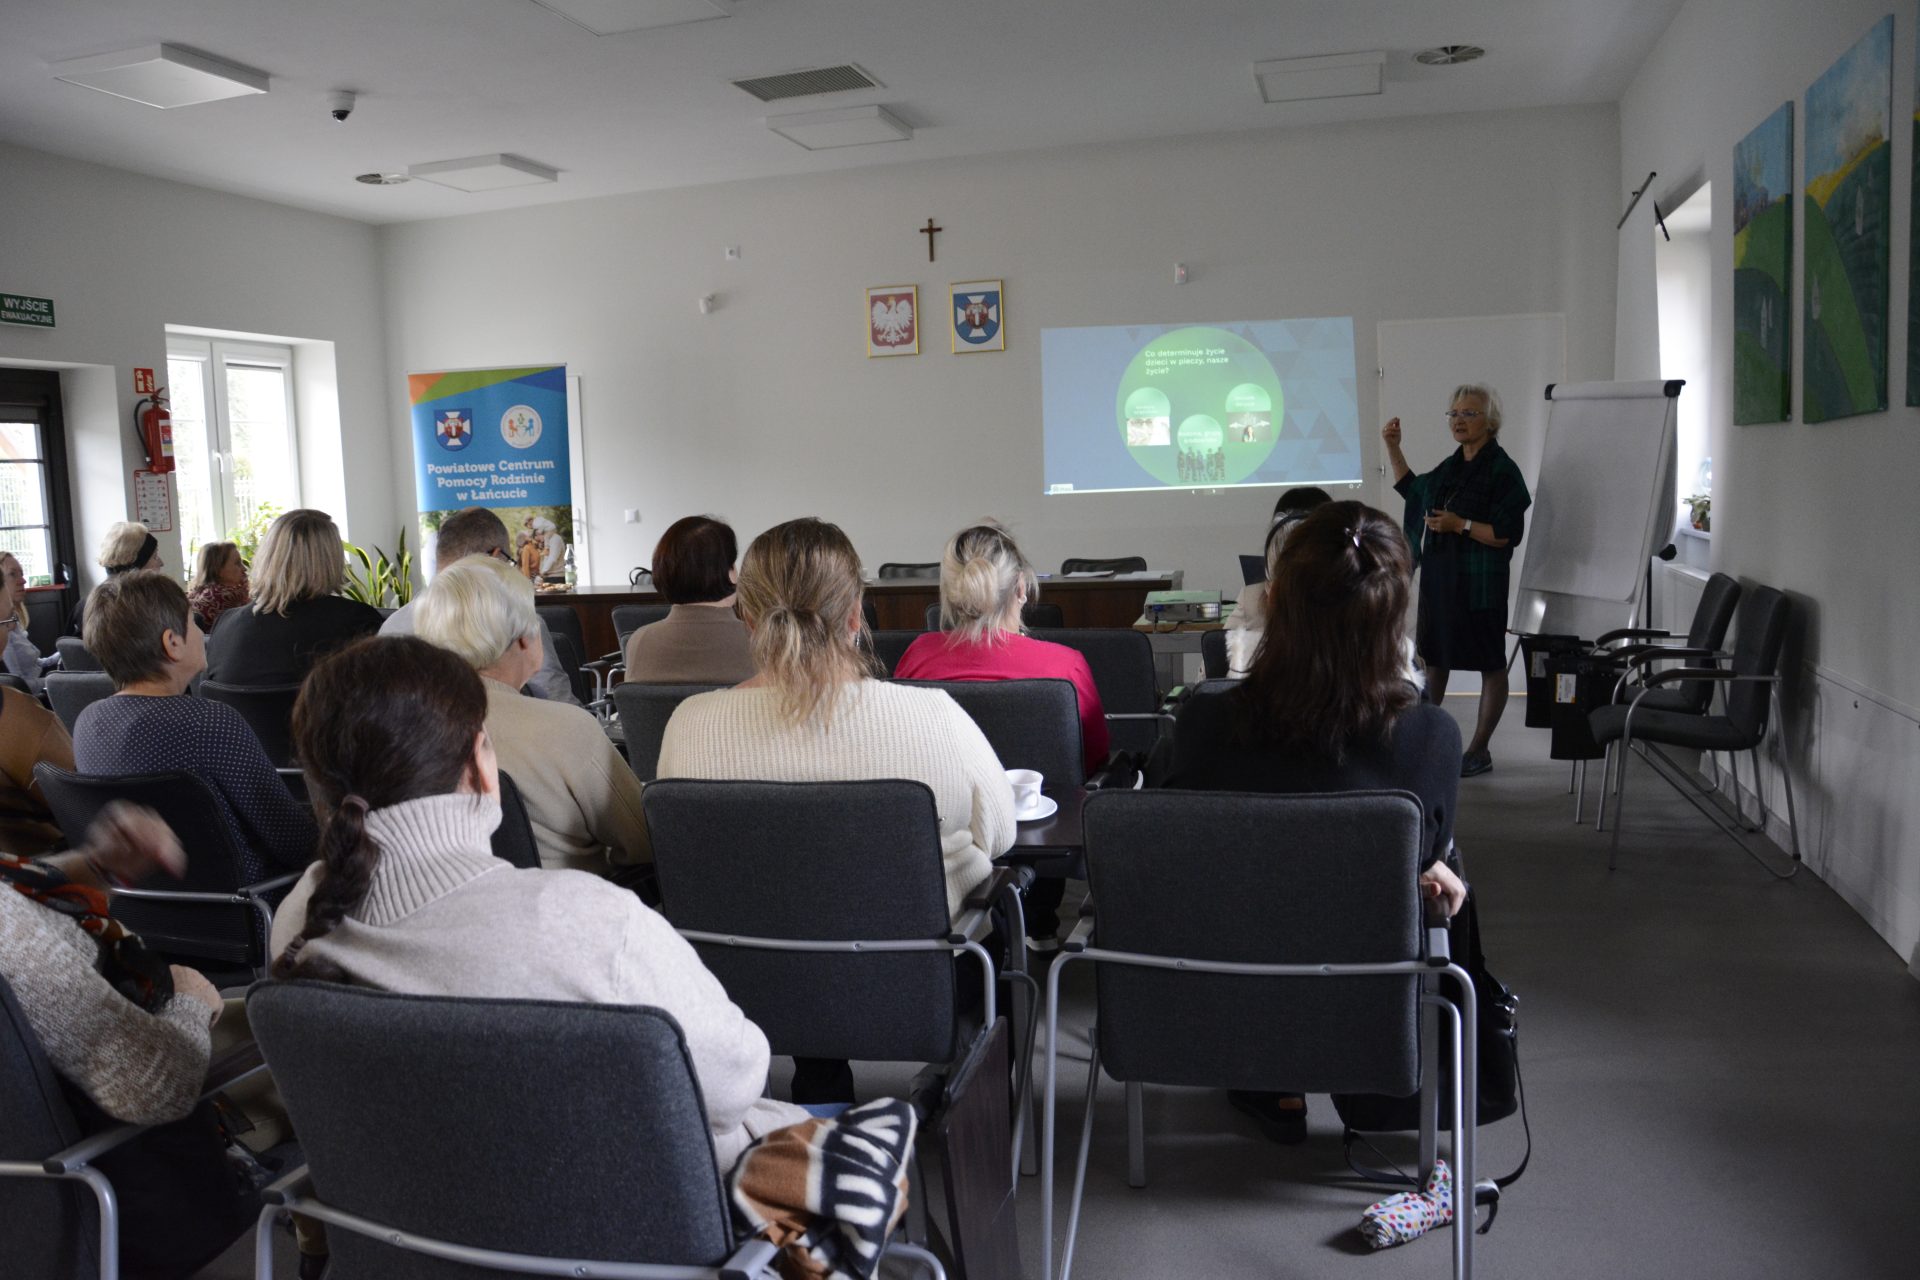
[1468,414]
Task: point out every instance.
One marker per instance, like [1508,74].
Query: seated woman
[127,548]
[29,735]
[143,633]
[984,584]
[1328,707]
[407,895]
[21,657]
[133,1038]
[1249,614]
[297,612]
[813,713]
[583,799]
[219,583]
[701,640]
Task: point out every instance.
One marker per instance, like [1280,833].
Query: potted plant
[1700,511]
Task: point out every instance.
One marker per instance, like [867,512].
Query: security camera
[342,107]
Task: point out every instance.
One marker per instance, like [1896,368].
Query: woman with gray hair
[583,800]
[1463,519]
[297,612]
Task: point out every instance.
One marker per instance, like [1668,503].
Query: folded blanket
[828,1192]
[1411,1214]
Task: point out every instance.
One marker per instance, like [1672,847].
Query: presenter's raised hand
[1391,433]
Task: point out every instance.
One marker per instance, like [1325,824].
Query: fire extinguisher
[154,426]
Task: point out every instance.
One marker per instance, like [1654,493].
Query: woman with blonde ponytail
[407,896]
[985,582]
[814,713]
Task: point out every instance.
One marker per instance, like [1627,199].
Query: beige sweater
[693,644]
[583,799]
[443,916]
[878,730]
[140,1067]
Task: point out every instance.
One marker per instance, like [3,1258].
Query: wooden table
[899,604]
[1059,837]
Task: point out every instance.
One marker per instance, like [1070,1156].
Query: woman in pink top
[984,583]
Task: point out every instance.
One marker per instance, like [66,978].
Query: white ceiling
[442,79]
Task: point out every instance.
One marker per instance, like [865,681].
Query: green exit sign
[17,309]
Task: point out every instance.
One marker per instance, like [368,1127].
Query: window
[235,444]
[36,524]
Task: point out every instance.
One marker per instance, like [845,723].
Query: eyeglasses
[1468,414]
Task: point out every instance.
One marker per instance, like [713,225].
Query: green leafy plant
[247,536]
[378,579]
[1700,510]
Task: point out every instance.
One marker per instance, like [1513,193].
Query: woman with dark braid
[407,895]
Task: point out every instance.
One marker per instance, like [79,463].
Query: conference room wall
[1823,511]
[769,407]
[123,256]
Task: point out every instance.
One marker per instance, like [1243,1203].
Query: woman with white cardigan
[813,713]
[407,895]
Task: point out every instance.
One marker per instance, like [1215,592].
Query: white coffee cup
[1026,789]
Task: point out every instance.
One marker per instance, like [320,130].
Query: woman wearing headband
[1328,707]
[128,547]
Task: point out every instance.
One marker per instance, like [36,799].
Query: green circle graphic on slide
[1219,387]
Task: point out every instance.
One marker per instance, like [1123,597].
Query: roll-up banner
[497,438]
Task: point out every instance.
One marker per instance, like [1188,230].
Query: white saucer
[1047,807]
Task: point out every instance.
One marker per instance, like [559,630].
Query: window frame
[37,394]
[215,356]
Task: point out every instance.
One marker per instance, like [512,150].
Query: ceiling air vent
[1449,55]
[806,84]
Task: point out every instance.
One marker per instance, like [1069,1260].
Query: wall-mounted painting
[1763,270]
[1848,211]
[893,320]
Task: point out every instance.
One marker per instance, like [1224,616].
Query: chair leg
[1080,1173]
[1620,794]
[1429,1080]
[1606,782]
[1136,1134]
[1579,791]
[263,1243]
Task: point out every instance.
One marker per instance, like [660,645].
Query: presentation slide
[1199,406]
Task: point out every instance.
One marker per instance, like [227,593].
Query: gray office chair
[629,618]
[216,918]
[513,839]
[890,646]
[1030,724]
[1640,649]
[71,692]
[53,1230]
[74,655]
[1213,655]
[475,1174]
[1207,969]
[267,709]
[1121,660]
[644,711]
[1750,689]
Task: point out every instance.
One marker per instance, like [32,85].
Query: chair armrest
[1674,675]
[1669,652]
[607,663]
[1631,633]
[990,889]
[91,1148]
[972,925]
[233,1066]
[1439,946]
[1113,771]
[274,885]
[1140,715]
[289,1186]
[1082,932]
[753,1260]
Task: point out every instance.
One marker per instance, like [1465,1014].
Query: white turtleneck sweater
[445,917]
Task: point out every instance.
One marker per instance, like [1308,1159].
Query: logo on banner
[453,429]
[520,426]
[976,317]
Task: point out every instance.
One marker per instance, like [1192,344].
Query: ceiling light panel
[612,17]
[844,78]
[162,75]
[1339,75]
[483,173]
[841,127]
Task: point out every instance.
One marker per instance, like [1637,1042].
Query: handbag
[1501,1092]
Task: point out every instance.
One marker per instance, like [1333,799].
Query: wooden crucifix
[928,231]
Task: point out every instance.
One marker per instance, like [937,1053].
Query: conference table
[899,604]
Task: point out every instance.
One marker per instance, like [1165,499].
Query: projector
[1183,606]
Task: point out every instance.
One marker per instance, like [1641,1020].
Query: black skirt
[1450,636]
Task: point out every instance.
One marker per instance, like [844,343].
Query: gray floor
[1721,1072]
